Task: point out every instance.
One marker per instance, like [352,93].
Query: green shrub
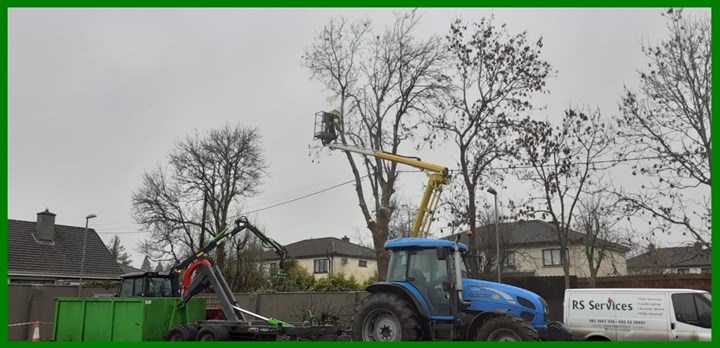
[336,282]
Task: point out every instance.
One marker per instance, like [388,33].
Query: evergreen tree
[146,264]
[118,251]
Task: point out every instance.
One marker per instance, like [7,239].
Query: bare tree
[118,252]
[244,268]
[493,76]
[599,220]
[208,175]
[562,163]
[667,125]
[382,83]
[402,217]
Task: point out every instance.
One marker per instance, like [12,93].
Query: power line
[616,161]
[122,232]
[301,197]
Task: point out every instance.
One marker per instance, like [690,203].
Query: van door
[691,317]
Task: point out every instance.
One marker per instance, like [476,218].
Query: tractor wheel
[506,328]
[180,333]
[385,317]
[213,333]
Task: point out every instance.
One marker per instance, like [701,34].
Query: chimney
[45,226]
[345,239]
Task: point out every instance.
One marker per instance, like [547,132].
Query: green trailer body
[122,318]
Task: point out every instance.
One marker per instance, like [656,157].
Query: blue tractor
[428,296]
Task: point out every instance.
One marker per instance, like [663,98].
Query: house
[531,248]
[41,252]
[689,259]
[323,256]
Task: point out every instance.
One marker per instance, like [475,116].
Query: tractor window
[398,266]
[138,288]
[126,289]
[159,287]
[427,274]
[463,267]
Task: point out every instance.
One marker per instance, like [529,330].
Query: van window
[692,309]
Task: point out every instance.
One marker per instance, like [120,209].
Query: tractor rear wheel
[385,317]
[506,328]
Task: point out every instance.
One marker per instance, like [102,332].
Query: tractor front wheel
[506,328]
[385,317]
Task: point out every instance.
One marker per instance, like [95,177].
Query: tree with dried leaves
[118,252]
[187,203]
[382,83]
[666,124]
[494,74]
[563,164]
[599,221]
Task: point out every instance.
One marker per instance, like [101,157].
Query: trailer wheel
[180,333]
[506,328]
[213,333]
[192,330]
[385,317]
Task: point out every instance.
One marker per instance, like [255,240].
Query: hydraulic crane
[326,132]
[200,273]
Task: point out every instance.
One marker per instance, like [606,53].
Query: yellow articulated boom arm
[438,176]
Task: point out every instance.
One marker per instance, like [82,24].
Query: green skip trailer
[122,319]
[132,319]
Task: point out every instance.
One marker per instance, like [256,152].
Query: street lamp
[497,234]
[82,261]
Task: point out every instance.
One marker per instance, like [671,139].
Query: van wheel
[506,328]
[385,317]
[180,333]
[213,333]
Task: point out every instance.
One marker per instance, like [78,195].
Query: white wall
[531,260]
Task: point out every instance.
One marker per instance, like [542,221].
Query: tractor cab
[428,265]
[148,284]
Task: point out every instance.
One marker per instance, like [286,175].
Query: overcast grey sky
[98,96]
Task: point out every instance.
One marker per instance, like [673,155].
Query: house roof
[684,256]
[61,258]
[328,246]
[530,233]
[129,269]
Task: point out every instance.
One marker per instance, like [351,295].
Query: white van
[638,314]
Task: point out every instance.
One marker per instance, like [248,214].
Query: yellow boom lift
[326,131]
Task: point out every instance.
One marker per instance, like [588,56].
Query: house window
[321,266]
[362,263]
[509,259]
[552,257]
[683,271]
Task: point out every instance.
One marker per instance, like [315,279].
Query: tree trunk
[472,244]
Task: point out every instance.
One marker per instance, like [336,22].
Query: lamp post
[497,234]
[82,261]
